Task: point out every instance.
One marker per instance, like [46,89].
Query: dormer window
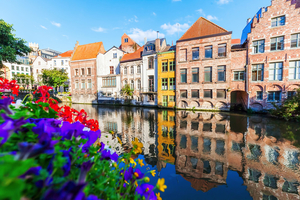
[126,40]
[150,48]
[278,21]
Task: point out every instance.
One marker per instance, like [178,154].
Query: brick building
[128,45]
[203,64]
[273,49]
[83,69]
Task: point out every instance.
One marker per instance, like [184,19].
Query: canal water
[205,155]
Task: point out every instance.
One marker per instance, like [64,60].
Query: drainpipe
[246,85]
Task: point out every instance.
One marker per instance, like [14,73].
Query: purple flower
[69,191]
[106,155]
[4,104]
[31,171]
[92,197]
[49,126]
[73,130]
[85,168]
[92,138]
[138,174]
[128,174]
[146,191]
[67,166]
[9,126]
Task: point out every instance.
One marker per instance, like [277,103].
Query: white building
[108,73]
[38,65]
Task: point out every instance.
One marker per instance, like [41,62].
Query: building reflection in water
[204,146]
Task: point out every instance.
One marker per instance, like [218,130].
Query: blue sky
[59,24]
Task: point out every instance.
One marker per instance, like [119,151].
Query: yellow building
[166,136]
[166,77]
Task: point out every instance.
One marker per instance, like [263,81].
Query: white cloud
[211,18]
[154,13]
[43,27]
[201,12]
[56,24]
[175,28]
[134,19]
[100,29]
[223,1]
[138,35]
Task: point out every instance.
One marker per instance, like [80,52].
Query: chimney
[248,20]
[145,40]
[157,45]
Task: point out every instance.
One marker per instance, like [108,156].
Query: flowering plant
[49,151]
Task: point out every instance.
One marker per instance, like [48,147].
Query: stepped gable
[202,27]
[88,51]
[133,56]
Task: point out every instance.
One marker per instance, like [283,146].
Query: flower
[4,104]
[119,140]
[128,174]
[153,173]
[140,161]
[161,184]
[132,162]
[137,146]
[106,155]
[146,190]
[138,174]
[69,190]
[85,168]
[51,127]
[158,196]
[31,171]
[18,104]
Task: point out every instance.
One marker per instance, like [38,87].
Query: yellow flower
[136,184]
[115,165]
[137,146]
[158,196]
[133,162]
[153,173]
[140,161]
[161,184]
[119,140]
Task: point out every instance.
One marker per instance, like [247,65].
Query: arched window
[125,70]
[139,84]
[132,84]
[132,70]
[138,70]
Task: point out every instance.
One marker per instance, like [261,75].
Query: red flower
[9,85]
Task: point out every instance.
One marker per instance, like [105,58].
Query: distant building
[45,53]
[38,65]
[128,45]
[84,72]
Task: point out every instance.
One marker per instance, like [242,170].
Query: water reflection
[205,148]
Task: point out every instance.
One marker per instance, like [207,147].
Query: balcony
[147,90]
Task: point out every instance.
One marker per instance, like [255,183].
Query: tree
[127,91]
[54,77]
[24,80]
[10,45]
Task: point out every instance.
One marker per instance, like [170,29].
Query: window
[183,93]
[13,73]
[172,98]
[26,69]
[89,71]
[37,71]
[164,84]
[125,70]
[126,40]
[183,75]
[89,86]
[208,51]
[54,63]
[132,70]
[82,84]
[62,62]
[150,63]
[132,84]
[138,69]
[111,70]
[109,82]
[18,68]
[172,84]
[290,94]
[275,71]
[76,85]
[195,53]
[172,65]
[278,21]
[164,66]
[295,40]
[221,73]
[239,75]
[115,55]
[277,43]
[195,75]
[274,96]
[82,71]
[207,93]
[67,62]
[294,70]
[39,63]
[182,54]
[259,95]
[150,97]
[222,50]
[259,46]
[195,94]
[151,83]
[165,103]
[257,72]
[207,74]
[221,94]
[139,84]
[13,67]
[76,72]
[22,68]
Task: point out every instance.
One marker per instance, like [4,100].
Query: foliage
[52,152]
[127,91]
[290,108]
[54,77]
[10,45]
[24,80]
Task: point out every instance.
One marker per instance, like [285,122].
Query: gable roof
[65,54]
[202,27]
[113,48]
[88,51]
[45,59]
[137,55]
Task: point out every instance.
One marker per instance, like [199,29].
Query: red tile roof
[236,41]
[88,51]
[133,56]
[202,27]
[66,54]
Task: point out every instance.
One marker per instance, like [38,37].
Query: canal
[205,155]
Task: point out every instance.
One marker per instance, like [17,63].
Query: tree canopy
[54,77]
[24,80]
[126,90]
[10,45]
